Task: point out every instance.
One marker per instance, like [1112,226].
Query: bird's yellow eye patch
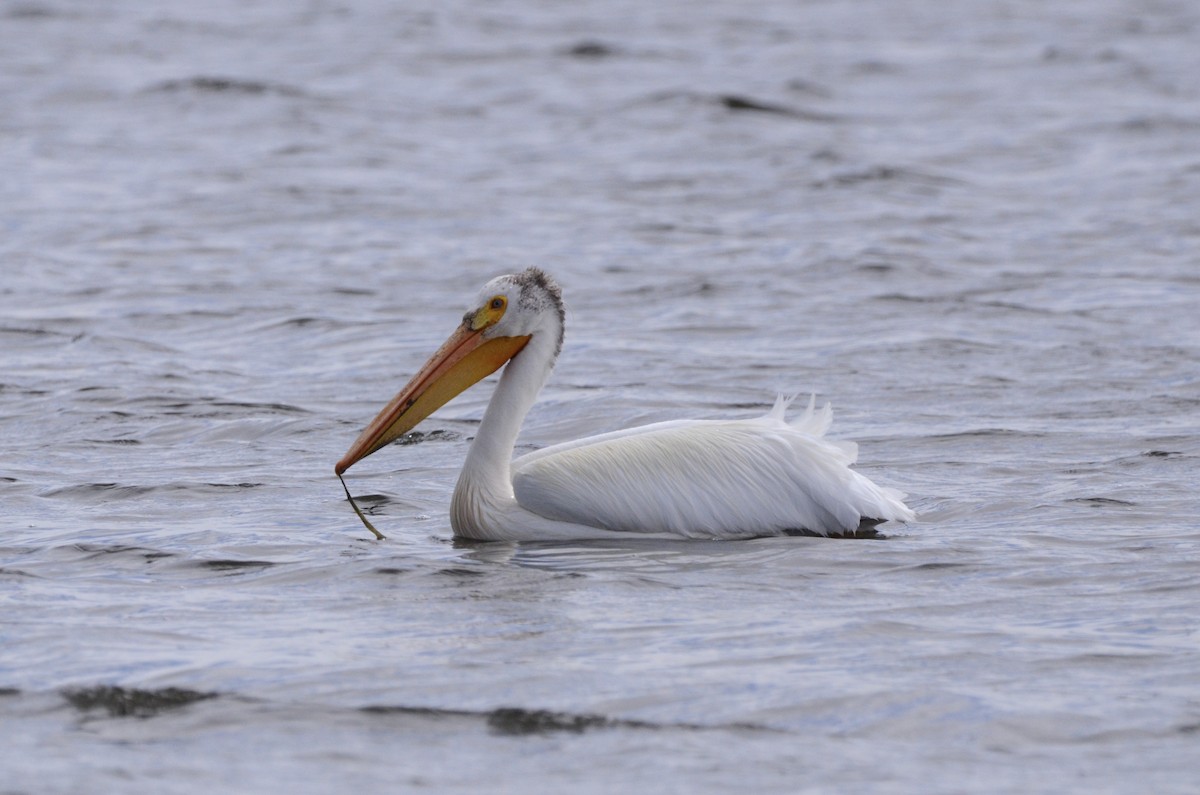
[490,313]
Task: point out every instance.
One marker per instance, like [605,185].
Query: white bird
[712,479]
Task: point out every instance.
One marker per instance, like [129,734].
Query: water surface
[230,234]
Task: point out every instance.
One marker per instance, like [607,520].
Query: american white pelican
[684,478]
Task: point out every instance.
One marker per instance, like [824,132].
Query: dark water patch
[664,228]
[738,102]
[5,572]
[31,331]
[680,288]
[105,492]
[589,49]
[1101,502]
[518,721]
[113,441]
[270,408]
[120,702]
[876,267]
[1181,584]
[9,691]
[1150,124]
[436,435]
[459,571]
[99,550]
[391,570]
[431,712]
[31,11]
[985,433]
[372,503]
[165,403]
[1146,458]
[225,85]
[912,299]
[304,321]
[884,173]
[1116,658]
[174,318]
[935,565]
[210,407]
[93,491]
[229,564]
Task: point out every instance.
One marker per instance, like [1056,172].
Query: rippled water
[231,232]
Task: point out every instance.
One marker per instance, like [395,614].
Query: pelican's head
[518,305]
[508,312]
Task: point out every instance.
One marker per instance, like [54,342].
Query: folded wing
[707,479]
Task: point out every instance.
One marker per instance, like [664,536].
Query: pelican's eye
[489,314]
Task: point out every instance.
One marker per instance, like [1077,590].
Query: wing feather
[705,479]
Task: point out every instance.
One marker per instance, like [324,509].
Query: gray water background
[229,232]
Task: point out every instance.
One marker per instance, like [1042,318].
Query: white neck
[486,477]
